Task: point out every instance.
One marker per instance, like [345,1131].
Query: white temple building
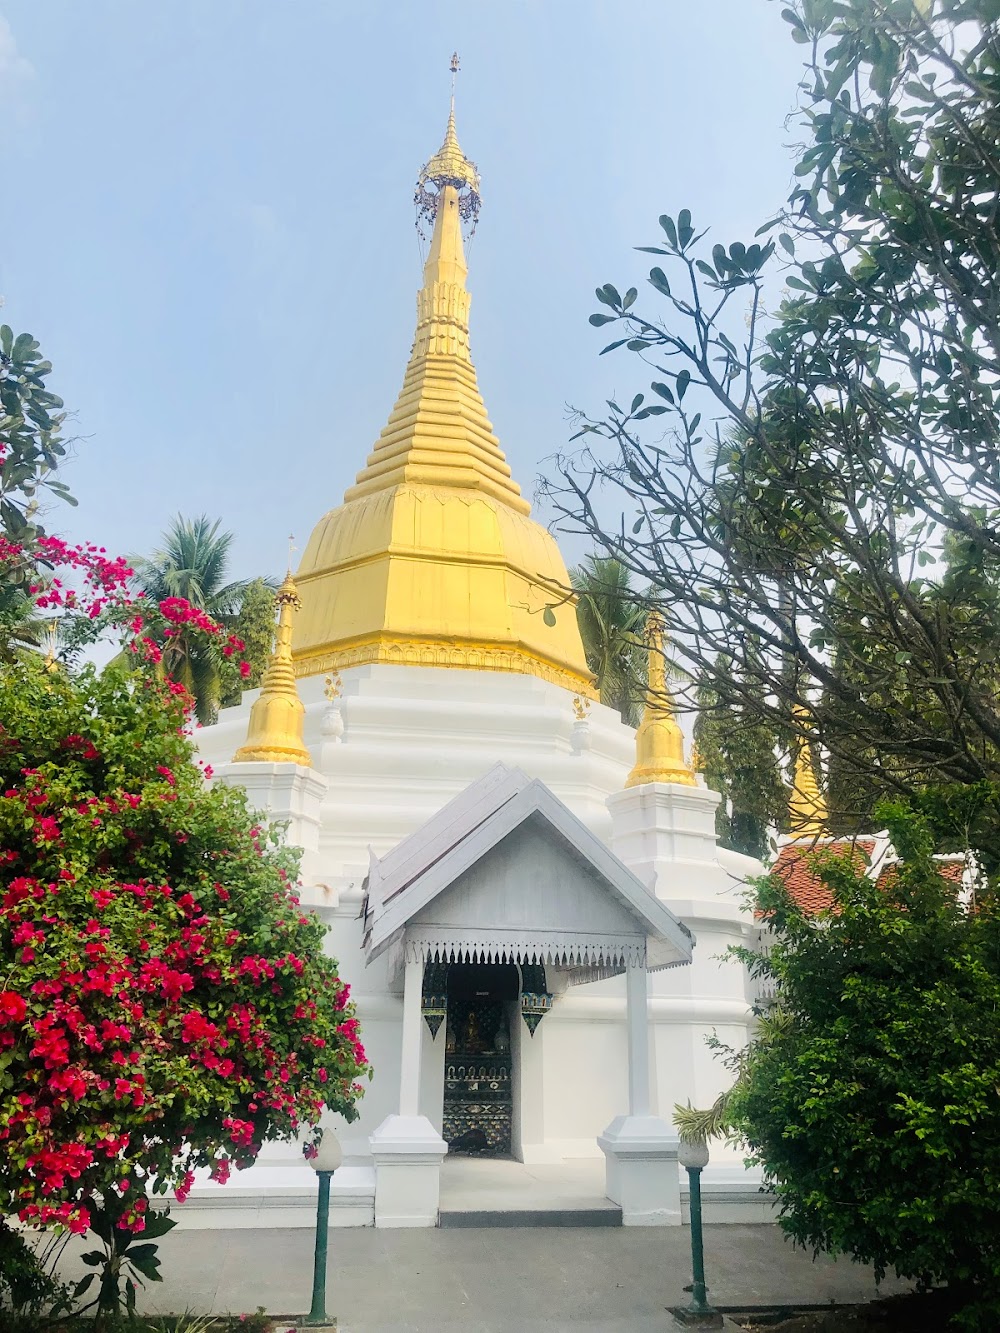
[525,894]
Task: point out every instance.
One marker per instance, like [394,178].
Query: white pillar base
[642,1173]
[408,1152]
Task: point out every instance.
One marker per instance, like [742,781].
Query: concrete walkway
[482,1185]
[522,1280]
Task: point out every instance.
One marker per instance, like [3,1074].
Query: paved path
[535,1280]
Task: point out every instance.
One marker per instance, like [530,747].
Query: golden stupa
[659,742]
[274,733]
[807,813]
[432,559]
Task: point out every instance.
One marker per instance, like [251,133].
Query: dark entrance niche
[478,1095]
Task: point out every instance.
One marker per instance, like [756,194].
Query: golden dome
[432,559]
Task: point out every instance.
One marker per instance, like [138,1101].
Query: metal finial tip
[455,65]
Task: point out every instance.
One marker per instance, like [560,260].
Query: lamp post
[699,1314]
[326,1161]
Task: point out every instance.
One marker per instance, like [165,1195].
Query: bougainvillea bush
[165,1003]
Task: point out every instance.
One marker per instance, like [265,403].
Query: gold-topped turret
[432,559]
[659,742]
[274,734]
[807,813]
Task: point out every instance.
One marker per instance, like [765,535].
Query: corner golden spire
[807,812]
[274,734]
[659,743]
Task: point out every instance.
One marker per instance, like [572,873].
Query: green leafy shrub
[871,1098]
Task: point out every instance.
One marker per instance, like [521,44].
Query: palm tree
[192,564]
[612,619]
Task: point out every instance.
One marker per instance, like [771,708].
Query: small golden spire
[807,812]
[51,638]
[274,734]
[659,743]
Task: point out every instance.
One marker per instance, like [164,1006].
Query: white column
[409,1065]
[406,1148]
[637,1022]
[640,1149]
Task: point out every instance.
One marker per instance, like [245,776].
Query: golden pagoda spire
[274,734]
[659,743]
[438,433]
[432,559]
[807,812]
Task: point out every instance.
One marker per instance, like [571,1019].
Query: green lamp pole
[698,1314]
[326,1161]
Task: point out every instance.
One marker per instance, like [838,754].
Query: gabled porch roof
[506,872]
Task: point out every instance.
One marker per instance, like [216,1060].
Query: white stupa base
[642,1173]
[408,1152]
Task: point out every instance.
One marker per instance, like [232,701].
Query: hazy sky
[208,223]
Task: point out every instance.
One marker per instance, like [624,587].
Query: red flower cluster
[170,1006]
[104,593]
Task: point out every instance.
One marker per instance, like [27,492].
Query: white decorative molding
[604,954]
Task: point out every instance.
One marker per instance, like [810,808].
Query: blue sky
[208,222]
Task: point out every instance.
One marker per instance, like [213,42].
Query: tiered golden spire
[659,742]
[274,734]
[439,433]
[807,812]
[432,559]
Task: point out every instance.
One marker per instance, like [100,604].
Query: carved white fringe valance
[597,955]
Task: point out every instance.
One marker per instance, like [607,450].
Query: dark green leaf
[659,280]
[667,223]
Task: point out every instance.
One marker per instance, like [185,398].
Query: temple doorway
[478,1073]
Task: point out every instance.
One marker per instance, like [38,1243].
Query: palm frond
[696,1126]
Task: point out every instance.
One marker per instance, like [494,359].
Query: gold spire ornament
[432,559]
[449,168]
[807,813]
[659,742]
[274,735]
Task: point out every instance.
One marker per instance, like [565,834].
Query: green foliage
[612,619]
[31,448]
[30,441]
[26,1284]
[126,1262]
[254,625]
[871,1096]
[739,759]
[192,563]
[822,511]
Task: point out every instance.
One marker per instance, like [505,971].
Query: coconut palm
[192,564]
[612,619]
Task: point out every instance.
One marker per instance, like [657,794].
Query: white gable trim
[453,822]
[672,940]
